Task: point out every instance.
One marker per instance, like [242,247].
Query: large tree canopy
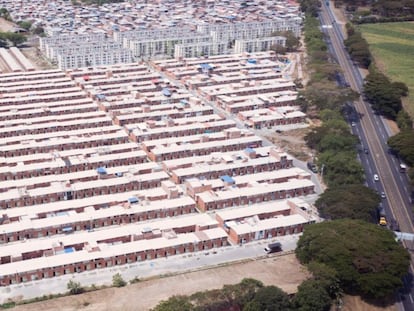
[384,96]
[366,257]
[269,298]
[403,144]
[311,296]
[349,201]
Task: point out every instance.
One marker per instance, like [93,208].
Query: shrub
[118,281]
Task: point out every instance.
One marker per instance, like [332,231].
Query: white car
[376,178]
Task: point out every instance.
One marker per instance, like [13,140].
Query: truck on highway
[273,247]
[382,216]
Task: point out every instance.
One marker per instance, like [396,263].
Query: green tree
[216,299]
[327,277]
[118,281]
[310,7]
[74,288]
[292,42]
[371,265]
[312,296]
[279,49]
[400,88]
[325,94]
[403,144]
[358,48]
[340,168]
[25,25]
[3,41]
[269,298]
[244,291]
[382,94]
[349,201]
[404,120]
[15,38]
[175,303]
[5,14]
[39,30]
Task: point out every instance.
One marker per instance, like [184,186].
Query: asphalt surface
[373,134]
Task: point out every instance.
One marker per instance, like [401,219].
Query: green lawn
[392,45]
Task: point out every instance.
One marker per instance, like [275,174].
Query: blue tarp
[67,229]
[249,150]
[62,214]
[206,66]
[100,96]
[101,170]
[227,179]
[133,200]
[251,61]
[166,92]
[69,250]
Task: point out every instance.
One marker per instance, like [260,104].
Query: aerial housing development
[121,155]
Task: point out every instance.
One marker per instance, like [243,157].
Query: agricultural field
[392,45]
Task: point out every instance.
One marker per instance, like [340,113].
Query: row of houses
[253,88]
[60,255]
[122,165]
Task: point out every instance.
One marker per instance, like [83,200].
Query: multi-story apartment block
[258,44]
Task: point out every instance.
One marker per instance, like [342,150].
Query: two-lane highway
[373,135]
[374,141]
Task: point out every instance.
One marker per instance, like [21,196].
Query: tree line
[378,11]
[252,295]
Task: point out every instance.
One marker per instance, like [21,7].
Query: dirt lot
[292,142]
[283,271]
[6,25]
[354,303]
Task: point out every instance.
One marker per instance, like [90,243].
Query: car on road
[383,196]
[376,178]
[366,151]
[353,124]
[273,248]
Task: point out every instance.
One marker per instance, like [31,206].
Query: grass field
[392,45]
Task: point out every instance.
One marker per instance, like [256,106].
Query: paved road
[149,268]
[219,111]
[374,134]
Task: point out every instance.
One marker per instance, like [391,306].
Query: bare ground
[354,303]
[293,143]
[282,271]
[6,25]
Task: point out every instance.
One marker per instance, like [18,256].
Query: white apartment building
[84,51]
[257,45]
[233,31]
[97,58]
[187,50]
